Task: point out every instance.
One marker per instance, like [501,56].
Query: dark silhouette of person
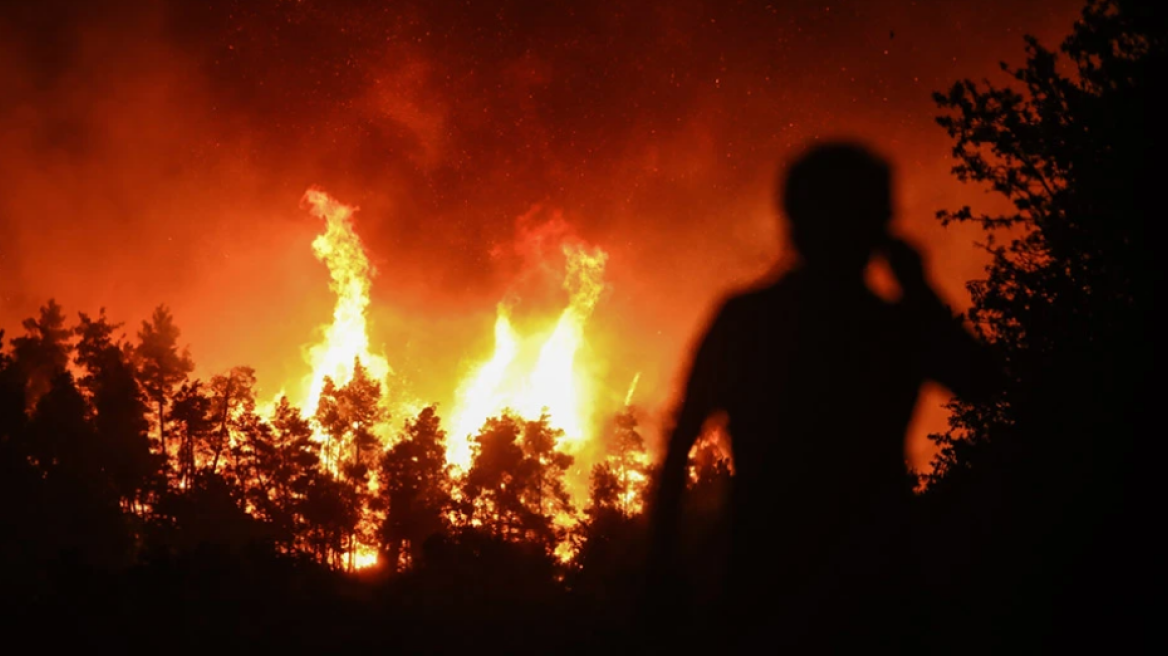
[818,377]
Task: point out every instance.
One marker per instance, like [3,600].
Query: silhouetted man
[818,378]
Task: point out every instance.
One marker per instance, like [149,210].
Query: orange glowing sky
[158,152]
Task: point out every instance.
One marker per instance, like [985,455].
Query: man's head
[838,200]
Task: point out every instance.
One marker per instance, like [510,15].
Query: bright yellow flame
[565,551]
[268,408]
[364,556]
[510,381]
[346,338]
[479,397]
[632,498]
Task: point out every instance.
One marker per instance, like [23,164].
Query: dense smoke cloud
[157,153]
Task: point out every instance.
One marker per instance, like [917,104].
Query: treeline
[116,452]
[114,459]
[1035,531]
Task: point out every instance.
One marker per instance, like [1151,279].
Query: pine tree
[161,366]
[415,488]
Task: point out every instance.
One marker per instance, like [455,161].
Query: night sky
[159,155]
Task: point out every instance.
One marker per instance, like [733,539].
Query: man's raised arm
[953,357]
[703,395]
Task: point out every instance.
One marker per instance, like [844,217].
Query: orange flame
[346,337]
[526,374]
[526,380]
[364,556]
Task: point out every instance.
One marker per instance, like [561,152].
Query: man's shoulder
[764,294]
[747,308]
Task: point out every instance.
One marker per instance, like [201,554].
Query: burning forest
[524,448]
[520,327]
[340,469]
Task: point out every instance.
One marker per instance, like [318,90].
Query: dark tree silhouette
[43,351]
[69,468]
[161,366]
[117,409]
[415,488]
[1049,462]
[60,502]
[349,415]
[233,408]
[605,490]
[80,512]
[608,565]
[515,485]
[287,466]
[548,466]
[611,535]
[192,423]
[331,510]
[492,487]
[626,453]
[250,436]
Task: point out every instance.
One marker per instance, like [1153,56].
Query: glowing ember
[632,389]
[364,557]
[513,379]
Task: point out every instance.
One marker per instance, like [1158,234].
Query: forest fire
[564,307]
[532,377]
[529,375]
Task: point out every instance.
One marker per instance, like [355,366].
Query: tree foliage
[161,365]
[515,486]
[1051,462]
[415,489]
[1067,290]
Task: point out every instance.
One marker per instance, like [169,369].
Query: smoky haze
[156,153]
